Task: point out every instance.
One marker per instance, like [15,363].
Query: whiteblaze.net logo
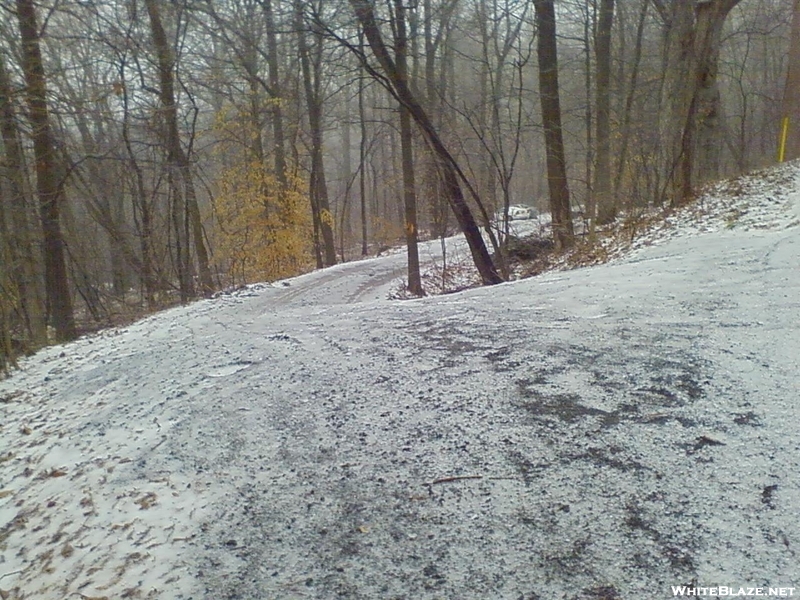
[723,591]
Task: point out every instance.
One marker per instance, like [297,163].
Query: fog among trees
[155,151]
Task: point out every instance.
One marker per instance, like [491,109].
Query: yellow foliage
[261,233]
[326,217]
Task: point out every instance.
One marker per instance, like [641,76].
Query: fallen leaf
[8,398]
[57,473]
[146,501]
[363,529]
[6,493]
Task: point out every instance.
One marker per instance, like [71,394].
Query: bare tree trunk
[318,187]
[142,209]
[628,108]
[563,235]
[177,210]
[606,203]
[447,164]
[362,157]
[9,291]
[278,137]
[486,182]
[177,159]
[691,101]
[10,300]
[26,266]
[118,245]
[589,23]
[437,206]
[406,148]
[347,178]
[50,190]
[677,96]
[710,20]
[103,199]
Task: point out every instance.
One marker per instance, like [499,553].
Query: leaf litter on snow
[87,510]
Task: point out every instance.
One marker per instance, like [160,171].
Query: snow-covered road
[600,433]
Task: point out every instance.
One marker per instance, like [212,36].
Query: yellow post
[784,135]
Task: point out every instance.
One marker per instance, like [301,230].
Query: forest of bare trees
[154,151]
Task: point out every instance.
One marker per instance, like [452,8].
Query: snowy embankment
[601,433]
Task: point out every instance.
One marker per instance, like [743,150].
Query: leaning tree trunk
[49,189]
[563,234]
[447,164]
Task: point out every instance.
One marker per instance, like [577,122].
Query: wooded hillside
[154,151]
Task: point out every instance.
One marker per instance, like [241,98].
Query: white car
[517,212]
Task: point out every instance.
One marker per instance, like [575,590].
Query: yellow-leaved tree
[262,232]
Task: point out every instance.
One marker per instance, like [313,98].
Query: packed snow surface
[607,432]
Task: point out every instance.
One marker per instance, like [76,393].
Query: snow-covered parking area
[608,432]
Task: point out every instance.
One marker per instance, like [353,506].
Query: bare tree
[691,104]
[311,65]
[627,110]
[563,235]
[19,232]
[437,27]
[177,159]
[606,204]
[362,158]
[141,202]
[275,89]
[449,168]
[48,184]
[500,138]
[407,146]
